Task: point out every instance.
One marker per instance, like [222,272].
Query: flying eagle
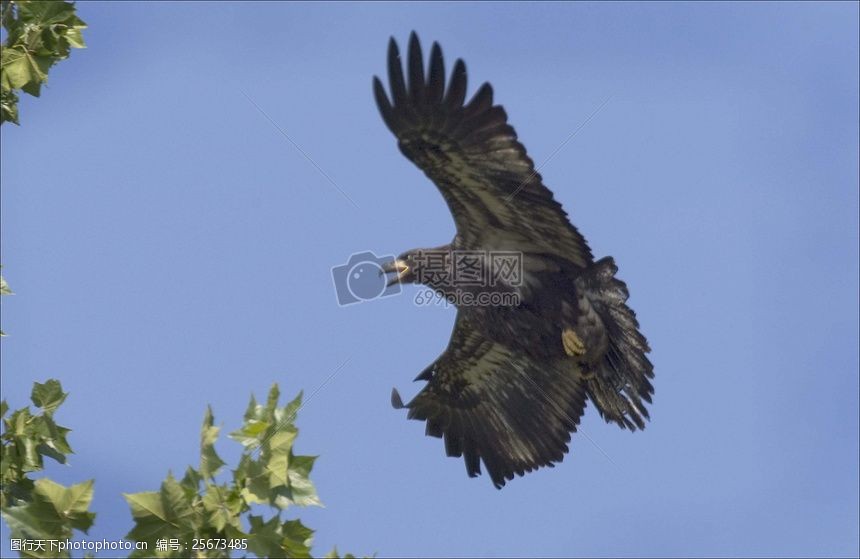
[515,379]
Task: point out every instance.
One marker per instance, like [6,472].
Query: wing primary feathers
[383,103]
[434,429]
[395,75]
[481,101]
[473,155]
[472,459]
[454,438]
[457,88]
[436,79]
[416,70]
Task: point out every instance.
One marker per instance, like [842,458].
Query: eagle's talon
[573,346]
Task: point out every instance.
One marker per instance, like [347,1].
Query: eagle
[519,369]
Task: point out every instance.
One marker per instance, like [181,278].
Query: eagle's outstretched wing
[472,154]
[497,405]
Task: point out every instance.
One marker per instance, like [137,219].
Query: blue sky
[170,249]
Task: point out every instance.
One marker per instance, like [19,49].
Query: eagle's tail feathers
[622,377]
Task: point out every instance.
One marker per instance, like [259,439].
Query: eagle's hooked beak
[398,267]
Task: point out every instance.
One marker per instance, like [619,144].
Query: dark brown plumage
[515,378]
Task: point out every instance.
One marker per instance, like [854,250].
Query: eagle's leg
[573,346]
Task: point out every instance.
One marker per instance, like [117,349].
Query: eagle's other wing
[495,404]
[472,154]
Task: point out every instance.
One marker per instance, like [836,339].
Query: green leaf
[251,433]
[275,477]
[302,490]
[8,113]
[263,421]
[253,483]
[48,396]
[19,421]
[149,515]
[46,449]
[57,436]
[39,34]
[42,509]
[34,520]
[53,512]
[4,287]
[18,491]
[45,13]
[162,514]
[275,539]
[75,38]
[191,482]
[297,539]
[210,462]
[71,503]
[292,409]
[20,69]
[272,401]
[265,537]
[250,412]
[276,456]
[223,507]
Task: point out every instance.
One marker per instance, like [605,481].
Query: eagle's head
[419,265]
[403,268]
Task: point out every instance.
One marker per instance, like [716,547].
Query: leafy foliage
[40,509]
[39,34]
[202,507]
